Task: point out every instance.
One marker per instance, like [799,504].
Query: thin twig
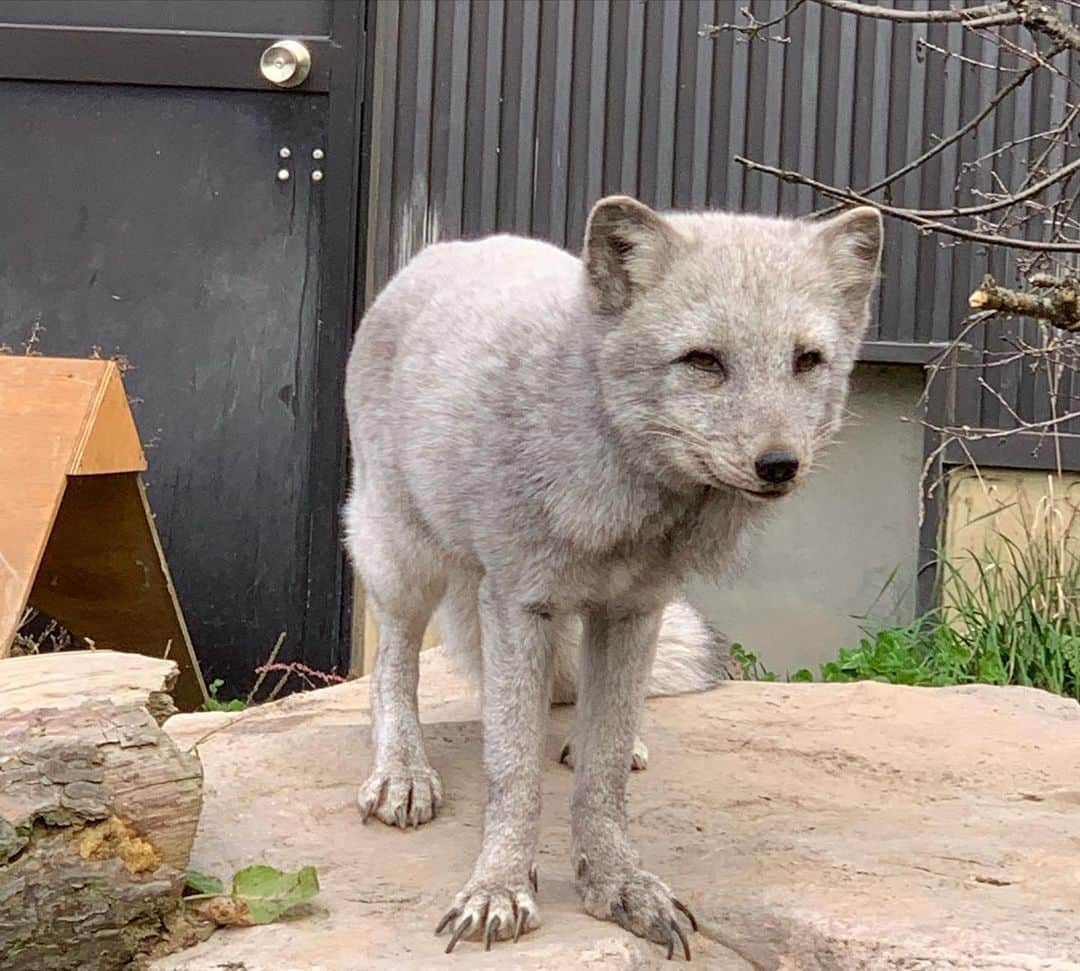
[263,671]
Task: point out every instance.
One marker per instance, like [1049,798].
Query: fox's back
[453,309]
[453,366]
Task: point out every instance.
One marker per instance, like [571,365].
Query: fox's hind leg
[403,582]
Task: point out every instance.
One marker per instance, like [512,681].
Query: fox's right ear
[628,249]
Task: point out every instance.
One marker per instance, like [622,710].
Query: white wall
[833,546]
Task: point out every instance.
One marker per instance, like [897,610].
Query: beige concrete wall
[833,547]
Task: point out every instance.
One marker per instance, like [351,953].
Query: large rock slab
[808,826]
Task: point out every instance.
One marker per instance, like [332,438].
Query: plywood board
[77,539]
[45,410]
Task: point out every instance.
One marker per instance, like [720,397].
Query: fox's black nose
[776,465]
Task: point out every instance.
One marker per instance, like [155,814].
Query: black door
[165,202]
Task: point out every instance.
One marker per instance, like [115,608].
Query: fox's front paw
[401,795]
[638,901]
[639,760]
[492,911]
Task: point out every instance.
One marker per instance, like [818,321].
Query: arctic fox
[544,447]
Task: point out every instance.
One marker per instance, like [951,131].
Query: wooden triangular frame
[77,539]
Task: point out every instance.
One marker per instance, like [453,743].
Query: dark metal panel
[635,53]
[383,45]
[581,116]
[668,81]
[722,115]
[829,104]
[436,165]
[598,76]
[422,225]
[702,100]
[806,93]
[506,214]
[648,107]
[845,104]
[406,180]
[543,169]
[559,134]
[176,59]
[452,216]
[769,113]
[692,92]
[282,17]
[328,626]
[525,176]
[185,253]
[615,107]
[492,109]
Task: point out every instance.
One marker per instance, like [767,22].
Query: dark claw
[492,928]
[458,932]
[682,908]
[521,922]
[670,947]
[450,915]
[682,937]
[370,808]
[534,878]
[618,912]
[582,866]
[564,753]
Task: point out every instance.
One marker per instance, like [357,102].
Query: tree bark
[1061,307]
[98,810]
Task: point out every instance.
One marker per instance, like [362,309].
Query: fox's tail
[690,654]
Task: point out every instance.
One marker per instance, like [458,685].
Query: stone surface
[808,826]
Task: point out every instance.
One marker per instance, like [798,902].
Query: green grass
[214,703]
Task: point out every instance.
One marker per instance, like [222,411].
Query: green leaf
[201,883]
[803,674]
[269,892]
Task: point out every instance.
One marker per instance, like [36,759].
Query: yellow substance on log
[115,838]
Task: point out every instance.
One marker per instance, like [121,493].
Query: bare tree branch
[1060,308]
[953,16]
[909,215]
[1039,16]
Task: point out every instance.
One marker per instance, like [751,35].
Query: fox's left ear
[852,243]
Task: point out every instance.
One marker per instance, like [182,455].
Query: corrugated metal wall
[515,115]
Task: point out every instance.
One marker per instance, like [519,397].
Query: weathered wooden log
[98,810]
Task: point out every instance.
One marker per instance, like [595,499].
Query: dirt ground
[808,826]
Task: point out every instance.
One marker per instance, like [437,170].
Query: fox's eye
[807,361]
[704,361]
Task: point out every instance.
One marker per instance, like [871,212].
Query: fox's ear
[628,249]
[852,243]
